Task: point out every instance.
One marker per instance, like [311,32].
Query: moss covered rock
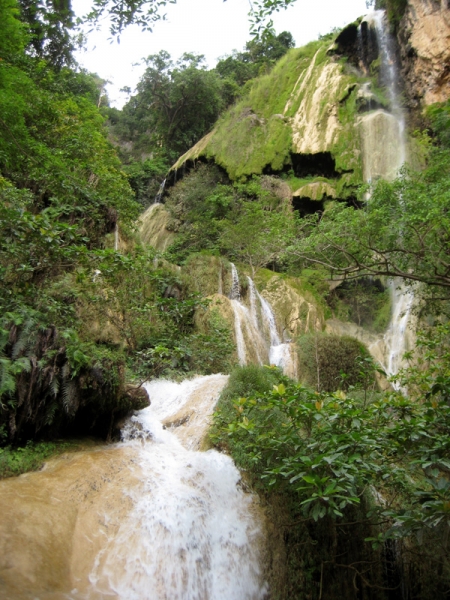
[305,106]
[153,229]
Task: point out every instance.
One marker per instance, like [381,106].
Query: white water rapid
[384,153]
[152,518]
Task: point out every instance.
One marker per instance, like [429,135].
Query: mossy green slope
[305,105]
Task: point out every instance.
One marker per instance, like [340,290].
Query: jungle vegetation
[361,475]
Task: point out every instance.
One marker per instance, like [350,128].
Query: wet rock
[136,397]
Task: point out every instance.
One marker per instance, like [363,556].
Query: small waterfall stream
[256,332]
[160,193]
[384,152]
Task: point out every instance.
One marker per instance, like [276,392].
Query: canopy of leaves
[257,57]
[175,105]
[49,26]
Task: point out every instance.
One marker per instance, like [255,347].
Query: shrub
[332,362]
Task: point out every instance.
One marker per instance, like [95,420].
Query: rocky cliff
[424,40]
[299,119]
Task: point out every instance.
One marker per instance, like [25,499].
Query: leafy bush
[328,455]
[332,362]
[365,301]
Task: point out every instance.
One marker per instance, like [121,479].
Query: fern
[69,396]
[7,379]
[54,387]
[26,338]
[50,413]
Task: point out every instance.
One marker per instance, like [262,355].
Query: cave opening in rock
[321,164]
[305,206]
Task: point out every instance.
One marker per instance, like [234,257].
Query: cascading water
[257,338]
[384,153]
[149,519]
[280,353]
[244,322]
[160,193]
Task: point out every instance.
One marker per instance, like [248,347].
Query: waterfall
[257,338]
[235,285]
[396,336]
[384,153]
[151,518]
[281,354]
[160,193]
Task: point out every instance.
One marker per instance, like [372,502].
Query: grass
[15,461]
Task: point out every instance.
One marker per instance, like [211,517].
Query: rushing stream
[151,518]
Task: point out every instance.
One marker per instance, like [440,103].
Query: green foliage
[328,448]
[49,27]
[332,362]
[145,178]
[61,191]
[395,10]
[185,100]
[243,382]
[257,236]
[14,461]
[365,301]
[243,222]
[12,32]
[322,453]
[258,57]
[439,115]
[402,231]
[197,204]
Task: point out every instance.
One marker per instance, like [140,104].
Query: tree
[176,104]
[49,26]
[259,54]
[257,236]
[402,231]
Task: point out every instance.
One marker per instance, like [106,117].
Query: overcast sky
[210,27]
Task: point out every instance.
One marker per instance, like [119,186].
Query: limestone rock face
[303,107]
[315,125]
[424,37]
[153,227]
[295,311]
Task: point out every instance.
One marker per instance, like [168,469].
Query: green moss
[245,143]
[346,150]
[256,133]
